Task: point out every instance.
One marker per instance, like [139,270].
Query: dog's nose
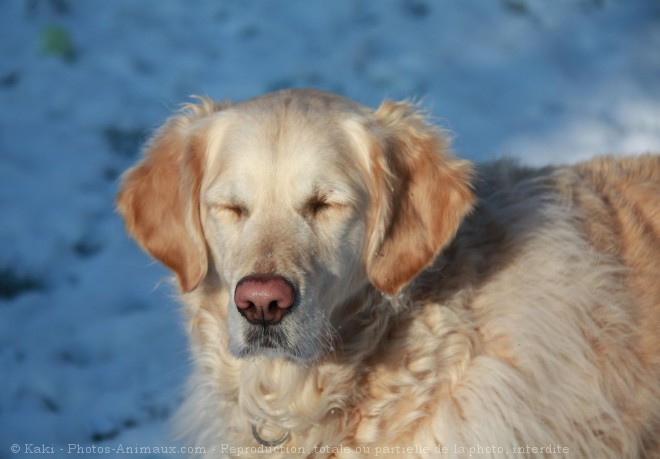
[264,299]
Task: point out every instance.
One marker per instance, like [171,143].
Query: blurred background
[92,350]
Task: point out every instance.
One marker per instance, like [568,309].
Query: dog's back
[620,201]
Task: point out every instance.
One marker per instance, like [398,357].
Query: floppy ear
[422,195]
[159,198]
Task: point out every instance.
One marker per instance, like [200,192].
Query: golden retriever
[353,290]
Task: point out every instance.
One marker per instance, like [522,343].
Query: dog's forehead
[279,145]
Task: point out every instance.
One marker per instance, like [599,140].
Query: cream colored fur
[533,325]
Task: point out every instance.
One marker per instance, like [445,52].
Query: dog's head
[297,200]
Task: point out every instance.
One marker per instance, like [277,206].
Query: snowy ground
[91,349]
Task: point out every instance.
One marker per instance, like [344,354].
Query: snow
[92,350]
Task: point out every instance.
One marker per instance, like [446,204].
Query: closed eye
[315,205]
[319,205]
[236,210]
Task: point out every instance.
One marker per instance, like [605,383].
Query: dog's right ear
[159,198]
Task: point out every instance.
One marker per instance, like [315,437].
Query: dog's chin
[295,356]
[250,347]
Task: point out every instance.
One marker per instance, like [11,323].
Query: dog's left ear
[422,195]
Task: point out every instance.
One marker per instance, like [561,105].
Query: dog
[352,289]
